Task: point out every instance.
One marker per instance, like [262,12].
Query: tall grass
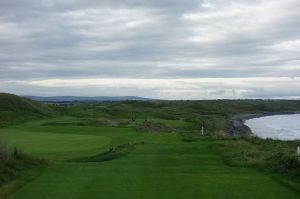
[13,160]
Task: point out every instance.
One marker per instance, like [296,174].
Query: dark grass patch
[112,153]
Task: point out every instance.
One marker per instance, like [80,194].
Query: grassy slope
[18,109]
[164,167]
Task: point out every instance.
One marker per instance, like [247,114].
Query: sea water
[279,127]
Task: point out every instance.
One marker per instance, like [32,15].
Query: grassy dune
[15,109]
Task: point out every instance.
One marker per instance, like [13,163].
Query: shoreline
[237,125]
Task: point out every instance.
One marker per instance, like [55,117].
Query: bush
[153,126]
[285,162]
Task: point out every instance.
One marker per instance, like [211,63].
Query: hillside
[84,99]
[15,109]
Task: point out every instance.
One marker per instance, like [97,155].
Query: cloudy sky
[169,49]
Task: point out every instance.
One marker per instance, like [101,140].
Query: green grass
[53,144]
[164,167]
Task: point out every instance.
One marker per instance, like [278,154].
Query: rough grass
[13,161]
[270,156]
[255,151]
[153,126]
[213,115]
[15,109]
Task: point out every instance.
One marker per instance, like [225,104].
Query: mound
[153,126]
[14,108]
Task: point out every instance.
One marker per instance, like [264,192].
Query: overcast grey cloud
[172,49]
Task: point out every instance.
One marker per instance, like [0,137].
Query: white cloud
[286,46]
[109,22]
[197,88]
[159,42]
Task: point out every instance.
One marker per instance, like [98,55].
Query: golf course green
[163,166]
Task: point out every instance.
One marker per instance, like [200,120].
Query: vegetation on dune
[213,115]
[18,109]
[253,151]
[153,126]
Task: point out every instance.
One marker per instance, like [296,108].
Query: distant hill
[14,108]
[81,98]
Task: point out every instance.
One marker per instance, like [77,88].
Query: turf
[53,144]
[163,167]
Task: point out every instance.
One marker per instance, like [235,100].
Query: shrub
[153,126]
[286,163]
